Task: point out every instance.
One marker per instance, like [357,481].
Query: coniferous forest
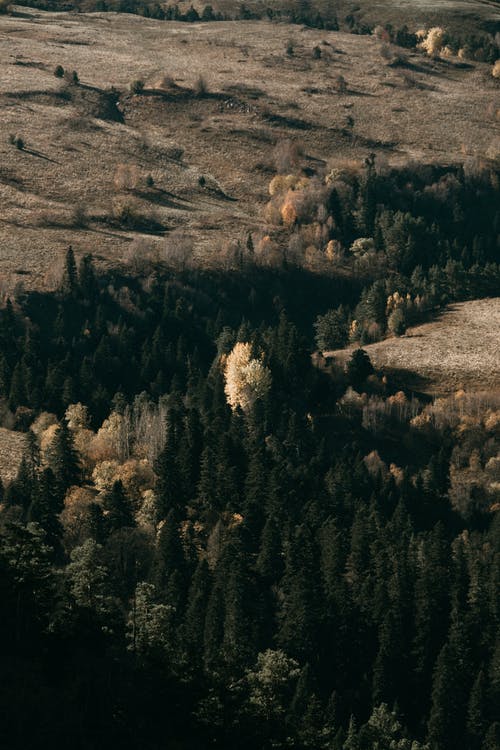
[214,542]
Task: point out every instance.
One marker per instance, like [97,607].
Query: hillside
[460,349]
[90,148]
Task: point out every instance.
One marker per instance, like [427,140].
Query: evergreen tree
[117,508]
[63,459]
[69,283]
[46,506]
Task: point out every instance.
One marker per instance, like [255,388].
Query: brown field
[461,349]
[12,445]
[64,187]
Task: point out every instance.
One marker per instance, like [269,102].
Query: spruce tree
[45,508]
[118,508]
[70,277]
[63,459]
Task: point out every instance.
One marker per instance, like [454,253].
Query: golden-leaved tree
[246,378]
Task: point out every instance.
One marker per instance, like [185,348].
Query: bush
[79,217]
[340,84]
[59,71]
[137,87]
[433,41]
[317,53]
[396,323]
[359,367]
[71,77]
[331,330]
[495,71]
[200,87]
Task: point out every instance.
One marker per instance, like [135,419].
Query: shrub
[340,84]
[287,156]
[59,71]
[200,87]
[16,140]
[331,330]
[137,87]
[289,48]
[396,322]
[359,367]
[71,77]
[433,42]
[317,53]
[495,71]
[79,217]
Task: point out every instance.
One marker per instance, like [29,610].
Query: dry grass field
[461,349]
[12,445]
[89,151]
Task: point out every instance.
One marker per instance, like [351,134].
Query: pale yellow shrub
[272,214]
[75,514]
[111,441]
[103,475]
[288,213]
[137,477]
[77,416]
[432,44]
[147,515]
[126,177]
[42,423]
[46,439]
[495,71]
[334,250]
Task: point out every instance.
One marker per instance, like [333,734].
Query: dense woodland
[211,542]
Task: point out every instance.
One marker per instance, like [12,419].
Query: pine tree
[299,608]
[194,620]
[63,459]
[69,283]
[45,508]
[240,620]
[169,487]
[170,571]
[96,524]
[476,712]
[87,279]
[118,509]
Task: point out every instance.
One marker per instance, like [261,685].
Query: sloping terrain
[461,349]
[12,445]
[459,16]
[104,169]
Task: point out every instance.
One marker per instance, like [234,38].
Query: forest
[213,542]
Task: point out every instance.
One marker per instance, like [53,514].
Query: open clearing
[210,155]
[12,445]
[461,349]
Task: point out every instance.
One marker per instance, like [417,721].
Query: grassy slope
[75,145]
[461,349]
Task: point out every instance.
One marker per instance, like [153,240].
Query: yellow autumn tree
[433,42]
[246,378]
